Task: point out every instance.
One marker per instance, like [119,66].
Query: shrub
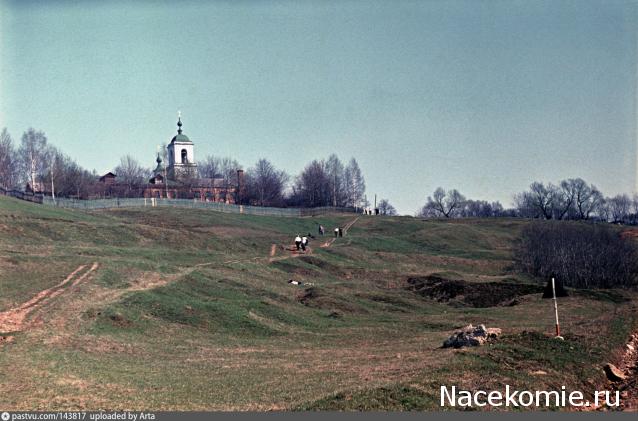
[581,255]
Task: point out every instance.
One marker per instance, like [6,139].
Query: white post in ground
[556,310]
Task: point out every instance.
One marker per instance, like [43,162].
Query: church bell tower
[181,159]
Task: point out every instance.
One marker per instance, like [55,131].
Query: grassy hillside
[188,309]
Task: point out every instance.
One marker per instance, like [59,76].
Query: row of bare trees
[45,168]
[571,199]
[575,199]
[452,204]
[321,183]
[329,183]
[41,165]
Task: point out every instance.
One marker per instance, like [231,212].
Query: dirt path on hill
[16,319]
[67,318]
[326,244]
[24,316]
[293,252]
[345,230]
[56,321]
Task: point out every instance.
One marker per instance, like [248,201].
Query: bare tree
[55,160]
[443,203]
[131,173]
[355,185]
[228,171]
[385,208]
[33,155]
[210,167]
[8,161]
[564,199]
[633,210]
[587,198]
[266,184]
[571,199]
[619,208]
[312,186]
[481,209]
[602,210]
[543,198]
[523,203]
[335,172]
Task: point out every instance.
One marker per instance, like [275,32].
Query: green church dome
[180,137]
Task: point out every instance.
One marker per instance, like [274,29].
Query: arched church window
[184,157]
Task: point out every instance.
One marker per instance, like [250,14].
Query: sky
[482,96]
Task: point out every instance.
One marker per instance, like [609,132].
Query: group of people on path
[302,242]
[338,231]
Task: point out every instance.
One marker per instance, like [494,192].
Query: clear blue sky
[484,96]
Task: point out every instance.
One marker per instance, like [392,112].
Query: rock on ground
[471,336]
[613,373]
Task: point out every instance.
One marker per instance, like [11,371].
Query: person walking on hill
[298,241]
[304,243]
[321,230]
[336,232]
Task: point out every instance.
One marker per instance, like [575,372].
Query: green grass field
[189,310]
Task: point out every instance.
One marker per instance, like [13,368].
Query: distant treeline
[571,199]
[42,166]
[323,182]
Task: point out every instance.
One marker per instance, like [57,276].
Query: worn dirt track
[345,230]
[17,319]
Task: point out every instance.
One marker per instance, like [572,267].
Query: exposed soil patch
[628,366]
[5,339]
[630,233]
[472,294]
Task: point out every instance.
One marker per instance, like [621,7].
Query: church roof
[181,138]
[159,169]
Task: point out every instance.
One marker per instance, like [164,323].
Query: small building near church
[108,178]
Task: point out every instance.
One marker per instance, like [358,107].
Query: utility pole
[165,183]
[556,310]
[53,159]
